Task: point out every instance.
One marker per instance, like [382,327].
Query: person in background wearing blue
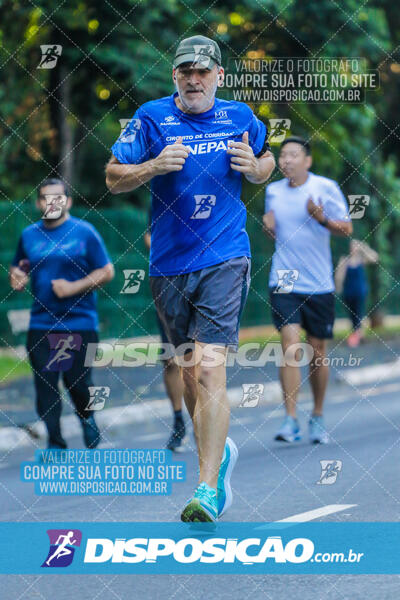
[195,148]
[65,260]
[351,282]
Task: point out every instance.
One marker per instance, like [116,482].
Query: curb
[371,374]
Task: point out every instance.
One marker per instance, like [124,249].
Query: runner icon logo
[50,55]
[129,129]
[278,129]
[330,469]
[62,348]
[98,396]
[133,279]
[54,205]
[252,392]
[204,204]
[357,205]
[63,543]
[203,54]
[286,280]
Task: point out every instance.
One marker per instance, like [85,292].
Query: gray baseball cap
[198,50]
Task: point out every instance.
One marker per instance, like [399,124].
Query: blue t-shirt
[70,251]
[301,244]
[198,218]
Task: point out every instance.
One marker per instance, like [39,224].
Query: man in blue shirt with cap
[194,148]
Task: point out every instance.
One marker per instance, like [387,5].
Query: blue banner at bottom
[241,548]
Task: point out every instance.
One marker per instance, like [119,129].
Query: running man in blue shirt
[65,260]
[301,213]
[194,148]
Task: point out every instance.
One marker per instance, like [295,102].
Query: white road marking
[371,373]
[376,390]
[242,421]
[317,513]
[310,515]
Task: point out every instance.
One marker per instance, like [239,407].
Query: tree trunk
[65,132]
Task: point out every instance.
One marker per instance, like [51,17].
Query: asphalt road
[271,481]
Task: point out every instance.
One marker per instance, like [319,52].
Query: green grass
[12,368]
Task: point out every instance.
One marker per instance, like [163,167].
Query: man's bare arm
[95,279]
[269,224]
[368,254]
[18,277]
[264,168]
[147,239]
[98,277]
[256,170]
[126,178]
[340,228]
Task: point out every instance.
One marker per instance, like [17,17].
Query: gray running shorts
[204,305]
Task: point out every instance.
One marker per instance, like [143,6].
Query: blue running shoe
[318,433]
[289,431]
[91,433]
[224,490]
[203,507]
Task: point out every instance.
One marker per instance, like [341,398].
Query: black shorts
[314,312]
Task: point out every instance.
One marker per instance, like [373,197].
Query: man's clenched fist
[171,158]
[63,288]
[19,276]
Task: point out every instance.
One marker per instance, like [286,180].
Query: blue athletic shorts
[204,305]
[314,312]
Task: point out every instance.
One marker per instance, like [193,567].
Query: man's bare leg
[319,373]
[190,385]
[207,403]
[290,376]
[173,383]
[174,386]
